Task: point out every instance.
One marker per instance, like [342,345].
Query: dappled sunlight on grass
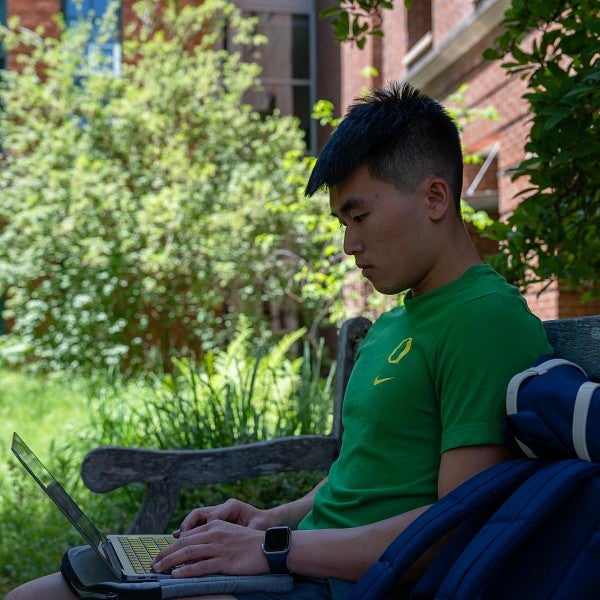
[40,409]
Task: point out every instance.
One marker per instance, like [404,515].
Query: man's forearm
[348,553]
[345,553]
[293,512]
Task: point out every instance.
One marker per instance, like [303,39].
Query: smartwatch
[276,547]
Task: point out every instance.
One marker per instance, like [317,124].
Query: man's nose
[352,243]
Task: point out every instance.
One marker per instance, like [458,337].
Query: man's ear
[439,198]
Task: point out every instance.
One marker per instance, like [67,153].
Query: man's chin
[388,290]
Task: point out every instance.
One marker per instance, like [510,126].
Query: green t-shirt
[429,376]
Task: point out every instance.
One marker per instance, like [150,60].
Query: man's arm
[348,553]
[220,547]
[293,512]
[459,464]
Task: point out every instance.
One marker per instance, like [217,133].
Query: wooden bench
[165,471]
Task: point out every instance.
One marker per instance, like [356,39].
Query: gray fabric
[93,572]
[306,589]
[89,567]
[225,584]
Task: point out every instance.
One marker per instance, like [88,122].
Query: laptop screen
[49,484]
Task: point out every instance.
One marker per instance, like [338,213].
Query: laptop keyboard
[142,549]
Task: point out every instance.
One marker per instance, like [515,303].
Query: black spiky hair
[400,133]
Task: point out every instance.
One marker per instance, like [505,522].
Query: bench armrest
[109,467]
[165,471]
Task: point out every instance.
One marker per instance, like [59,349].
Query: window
[107,42]
[482,192]
[418,31]
[288,60]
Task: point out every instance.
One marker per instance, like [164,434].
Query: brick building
[437,45]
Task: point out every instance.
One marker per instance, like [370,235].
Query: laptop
[128,556]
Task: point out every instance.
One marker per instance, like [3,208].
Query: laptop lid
[59,496]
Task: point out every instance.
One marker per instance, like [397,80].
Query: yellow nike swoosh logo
[378,380]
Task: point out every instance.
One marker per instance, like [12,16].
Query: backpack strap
[512,525]
[482,491]
[429,583]
[583,401]
[512,389]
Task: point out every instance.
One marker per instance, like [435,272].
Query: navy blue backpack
[553,412]
[527,528]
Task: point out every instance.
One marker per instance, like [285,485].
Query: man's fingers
[195,517]
[196,569]
[179,558]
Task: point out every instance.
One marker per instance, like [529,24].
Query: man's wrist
[287,514]
[276,546]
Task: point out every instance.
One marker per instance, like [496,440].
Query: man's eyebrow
[348,205]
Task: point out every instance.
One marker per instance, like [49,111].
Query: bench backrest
[578,340]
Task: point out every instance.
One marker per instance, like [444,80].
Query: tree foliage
[354,20]
[554,233]
[140,213]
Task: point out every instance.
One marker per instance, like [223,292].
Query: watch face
[277,539]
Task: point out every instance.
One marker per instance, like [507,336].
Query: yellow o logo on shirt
[400,351]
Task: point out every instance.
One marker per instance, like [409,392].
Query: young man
[425,402]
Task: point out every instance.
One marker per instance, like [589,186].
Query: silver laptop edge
[92,535]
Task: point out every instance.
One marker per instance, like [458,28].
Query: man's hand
[232,511]
[215,547]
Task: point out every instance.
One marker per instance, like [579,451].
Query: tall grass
[240,394]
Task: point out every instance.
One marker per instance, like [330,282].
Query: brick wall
[490,86]
[34,13]
[571,305]
[446,14]
[545,305]
[418,22]
[556,303]
[353,63]
[395,43]
[328,70]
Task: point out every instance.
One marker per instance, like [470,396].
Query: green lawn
[42,410]
[39,410]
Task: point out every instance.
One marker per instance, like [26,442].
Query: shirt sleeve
[486,342]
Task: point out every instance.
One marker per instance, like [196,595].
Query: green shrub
[142,213]
[244,393]
[31,524]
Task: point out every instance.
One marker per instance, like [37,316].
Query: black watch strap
[277,562]
[276,547]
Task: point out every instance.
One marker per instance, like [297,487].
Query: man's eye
[359,218]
